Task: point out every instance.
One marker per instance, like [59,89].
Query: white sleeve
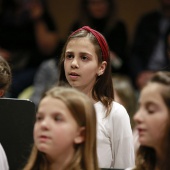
[121,138]
[3,159]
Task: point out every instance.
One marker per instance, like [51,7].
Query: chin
[42,148]
[144,143]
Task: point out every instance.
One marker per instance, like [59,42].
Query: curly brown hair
[5,74]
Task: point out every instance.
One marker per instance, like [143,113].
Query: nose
[44,124]
[74,63]
[138,117]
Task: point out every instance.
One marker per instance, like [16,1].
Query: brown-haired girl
[85,65]
[152,119]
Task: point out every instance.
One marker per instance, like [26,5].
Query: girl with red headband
[85,65]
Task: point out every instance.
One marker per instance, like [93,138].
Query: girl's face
[152,116]
[56,131]
[81,64]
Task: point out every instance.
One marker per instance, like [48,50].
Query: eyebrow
[82,53]
[151,104]
[147,103]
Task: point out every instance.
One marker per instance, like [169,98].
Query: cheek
[162,128]
[158,129]
[65,132]
[91,69]
[35,131]
[65,65]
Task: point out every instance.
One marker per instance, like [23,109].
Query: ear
[1,93]
[80,136]
[102,68]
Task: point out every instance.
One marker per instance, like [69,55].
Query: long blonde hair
[82,110]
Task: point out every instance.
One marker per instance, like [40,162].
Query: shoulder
[118,109]
[48,63]
[48,66]
[118,114]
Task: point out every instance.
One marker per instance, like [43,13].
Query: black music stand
[16,130]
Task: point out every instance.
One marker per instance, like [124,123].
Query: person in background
[28,36]
[85,65]
[101,15]
[153,124]
[5,82]
[148,47]
[48,70]
[125,94]
[45,78]
[64,132]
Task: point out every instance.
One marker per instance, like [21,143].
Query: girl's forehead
[82,44]
[152,91]
[79,39]
[153,86]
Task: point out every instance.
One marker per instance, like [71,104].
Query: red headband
[100,38]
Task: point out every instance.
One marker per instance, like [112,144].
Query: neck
[89,94]
[86,91]
[58,165]
[61,162]
[54,167]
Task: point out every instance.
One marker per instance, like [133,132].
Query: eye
[38,118]
[151,109]
[84,57]
[58,118]
[69,56]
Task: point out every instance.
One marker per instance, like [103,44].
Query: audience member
[46,77]
[85,65]
[148,47]
[153,124]
[48,70]
[101,15]
[64,132]
[28,36]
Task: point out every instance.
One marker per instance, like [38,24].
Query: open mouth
[73,74]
